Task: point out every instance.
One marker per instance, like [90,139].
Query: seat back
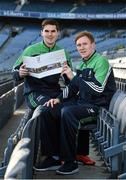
[113,100]
[123,122]
[16,163]
[121,109]
[120,98]
[29,131]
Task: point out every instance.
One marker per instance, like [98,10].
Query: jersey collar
[48,48]
[87,61]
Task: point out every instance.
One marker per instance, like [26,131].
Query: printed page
[46,64]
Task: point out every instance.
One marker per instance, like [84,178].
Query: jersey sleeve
[18,63]
[95,79]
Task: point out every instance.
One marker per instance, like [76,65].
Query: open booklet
[45,64]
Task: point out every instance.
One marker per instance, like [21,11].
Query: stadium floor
[98,171]
[85,172]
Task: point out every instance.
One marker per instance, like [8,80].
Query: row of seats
[29,35]
[6,112]
[15,47]
[71,7]
[26,129]
[66,7]
[111,133]
[121,84]
[9,95]
[11,98]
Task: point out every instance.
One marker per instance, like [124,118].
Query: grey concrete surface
[98,171]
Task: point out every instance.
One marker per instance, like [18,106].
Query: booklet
[45,64]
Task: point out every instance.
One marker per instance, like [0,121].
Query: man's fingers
[52,103]
[23,66]
[48,103]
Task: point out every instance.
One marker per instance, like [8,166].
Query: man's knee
[45,109]
[67,115]
[65,111]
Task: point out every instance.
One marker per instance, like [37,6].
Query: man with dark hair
[93,86]
[38,91]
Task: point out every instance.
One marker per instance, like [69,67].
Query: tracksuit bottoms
[60,126]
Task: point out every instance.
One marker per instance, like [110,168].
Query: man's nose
[50,33]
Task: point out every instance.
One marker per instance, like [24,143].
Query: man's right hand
[67,70]
[52,102]
[23,71]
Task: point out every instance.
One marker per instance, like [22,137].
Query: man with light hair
[93,86]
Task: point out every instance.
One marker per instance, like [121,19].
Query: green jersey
[47,84]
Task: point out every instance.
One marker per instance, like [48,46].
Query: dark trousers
[59,128]
[83,142]
[36,98]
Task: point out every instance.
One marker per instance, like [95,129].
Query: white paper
[45,64]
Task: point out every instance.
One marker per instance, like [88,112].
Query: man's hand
[23,71]
[52,102]
[67,70]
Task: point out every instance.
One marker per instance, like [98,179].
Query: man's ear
[93,45]
[59,34]
[41,33]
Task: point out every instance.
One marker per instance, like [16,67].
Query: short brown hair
[50,22]
[85,33]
